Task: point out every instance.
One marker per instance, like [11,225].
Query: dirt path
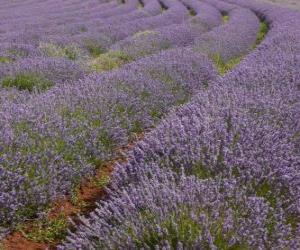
[88,193]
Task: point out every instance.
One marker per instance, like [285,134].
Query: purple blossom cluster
[221,172]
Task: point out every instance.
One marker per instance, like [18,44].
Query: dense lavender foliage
[58,70]
[232,39]
[219,168]
[62,135]
[167,211]
[220,172]
[177,35]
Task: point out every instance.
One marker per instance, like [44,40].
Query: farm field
[149,124]
[293,4]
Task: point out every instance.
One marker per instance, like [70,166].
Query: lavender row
[167,211]
[177,35]
[206,12]
[103,37]
[152,41]
[108,34]
[53,140]
[12,52]
[149,8]
[58,10]
[231,40]
[221,171]
[235,38]
[59,21]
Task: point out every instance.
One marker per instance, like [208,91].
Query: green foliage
[145,95]
[75,200]
[182,101]
[95,49]
[271,223]
[83,29]
[205,84]
[263,29]
[47,230]
[201,171]
[222,66]
[186,231]
[293,220]
[162,76]
[137,127]
[28,211]
[102,181]
[106,140]
[265,190]
[235,140]
[225,18]
[191,11]
[180,227]
[145,33]
[70,51]
[27,81]
[95,161]
[4,59]
[109,61]
[155,113]
[18,52]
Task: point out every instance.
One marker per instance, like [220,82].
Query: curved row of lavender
[51,140]
[63,28]
[39,36]
[67,63]
[142,43]
[221,172]
[27,59]
[112,33]
[176,35]
[66,22]
[226,49]
[78,48]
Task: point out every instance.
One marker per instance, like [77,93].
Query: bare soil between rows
[89,193]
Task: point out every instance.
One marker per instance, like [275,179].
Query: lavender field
[149,124]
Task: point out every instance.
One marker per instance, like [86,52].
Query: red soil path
[89,193]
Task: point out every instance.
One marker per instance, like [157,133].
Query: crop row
[221,172]
[59,121]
